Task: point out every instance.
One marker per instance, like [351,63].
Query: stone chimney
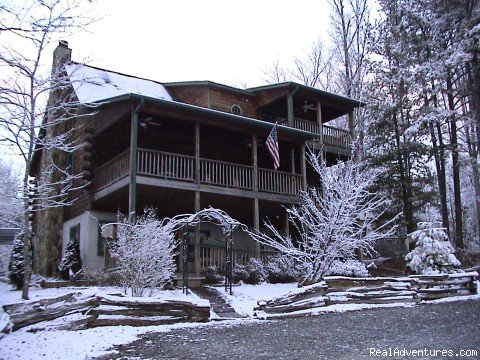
[61,55]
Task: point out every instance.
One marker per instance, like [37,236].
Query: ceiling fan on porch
[306,106]
[144,123]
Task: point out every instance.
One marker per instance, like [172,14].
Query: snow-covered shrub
[252,273]
[333,223]
[16,265]
[71,262]
[280,269]
[212,275]
[433,253]
[144,253]
[351,267]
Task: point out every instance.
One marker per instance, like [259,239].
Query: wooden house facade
[181,147]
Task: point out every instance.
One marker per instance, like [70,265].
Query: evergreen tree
[71,262]
[16,267]
[433,253]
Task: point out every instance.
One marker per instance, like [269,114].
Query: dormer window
[236,109]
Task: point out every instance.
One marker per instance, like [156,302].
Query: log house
[183,146]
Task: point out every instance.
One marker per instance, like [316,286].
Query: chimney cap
[63,43]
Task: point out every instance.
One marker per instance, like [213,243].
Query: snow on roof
[93,84]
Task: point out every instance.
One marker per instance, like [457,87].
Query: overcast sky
[230,42]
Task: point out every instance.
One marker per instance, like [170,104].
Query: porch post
[320,130]
[303,163]
[256,220]
[255,162]
[256,225]
[132,189]
[290,112]
[197,262]
[287,224]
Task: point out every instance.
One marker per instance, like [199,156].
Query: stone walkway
[217,303]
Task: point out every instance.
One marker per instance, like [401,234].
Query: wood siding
[195,95]
[223,101]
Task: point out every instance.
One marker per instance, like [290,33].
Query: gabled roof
[93,84]
[317,93]
[211,84]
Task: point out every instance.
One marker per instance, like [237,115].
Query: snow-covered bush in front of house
[144,252]
[351,267]
[16,265]
[332,223]
[212,275]
[252,273]
[71,262]
[433,253]
[280,269]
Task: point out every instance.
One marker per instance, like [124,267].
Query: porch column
[303,164]
[320,130]
[132,189]
[256,225]
[287,224]
[351,124]
[197,263]
[256,219]
[290,112]
[292,158]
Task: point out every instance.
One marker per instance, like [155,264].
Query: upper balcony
[331,136]
[172,170]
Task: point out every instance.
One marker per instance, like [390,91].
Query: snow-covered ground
[85,344]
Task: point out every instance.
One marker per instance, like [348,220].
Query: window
[105,234]
[236,109]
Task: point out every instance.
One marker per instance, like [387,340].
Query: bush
[212,275]
[252,273]
[280,269]
[144,251]
[353,268]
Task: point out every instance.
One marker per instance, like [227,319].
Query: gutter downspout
[132,191]
[291,115]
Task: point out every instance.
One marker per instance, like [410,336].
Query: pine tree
[71,262]
[16,267]
[433,253]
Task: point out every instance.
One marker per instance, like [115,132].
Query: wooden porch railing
[182,168]
[279,182]
[225,174]
[165,165]
[215,256]
[112,170]
[331,135]
[336,137]
[306,125]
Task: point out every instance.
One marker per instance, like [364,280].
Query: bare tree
[311,69]
[10,204]
[333,223]
[37,110]
[351,35]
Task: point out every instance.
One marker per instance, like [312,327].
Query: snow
[93,85]
[43,341]
[245,297]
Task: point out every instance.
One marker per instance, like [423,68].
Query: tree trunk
[406,198]
[456,168]
[442,185]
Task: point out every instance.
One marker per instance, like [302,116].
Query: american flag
[272,146]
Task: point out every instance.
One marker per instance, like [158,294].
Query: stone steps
[217,303]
